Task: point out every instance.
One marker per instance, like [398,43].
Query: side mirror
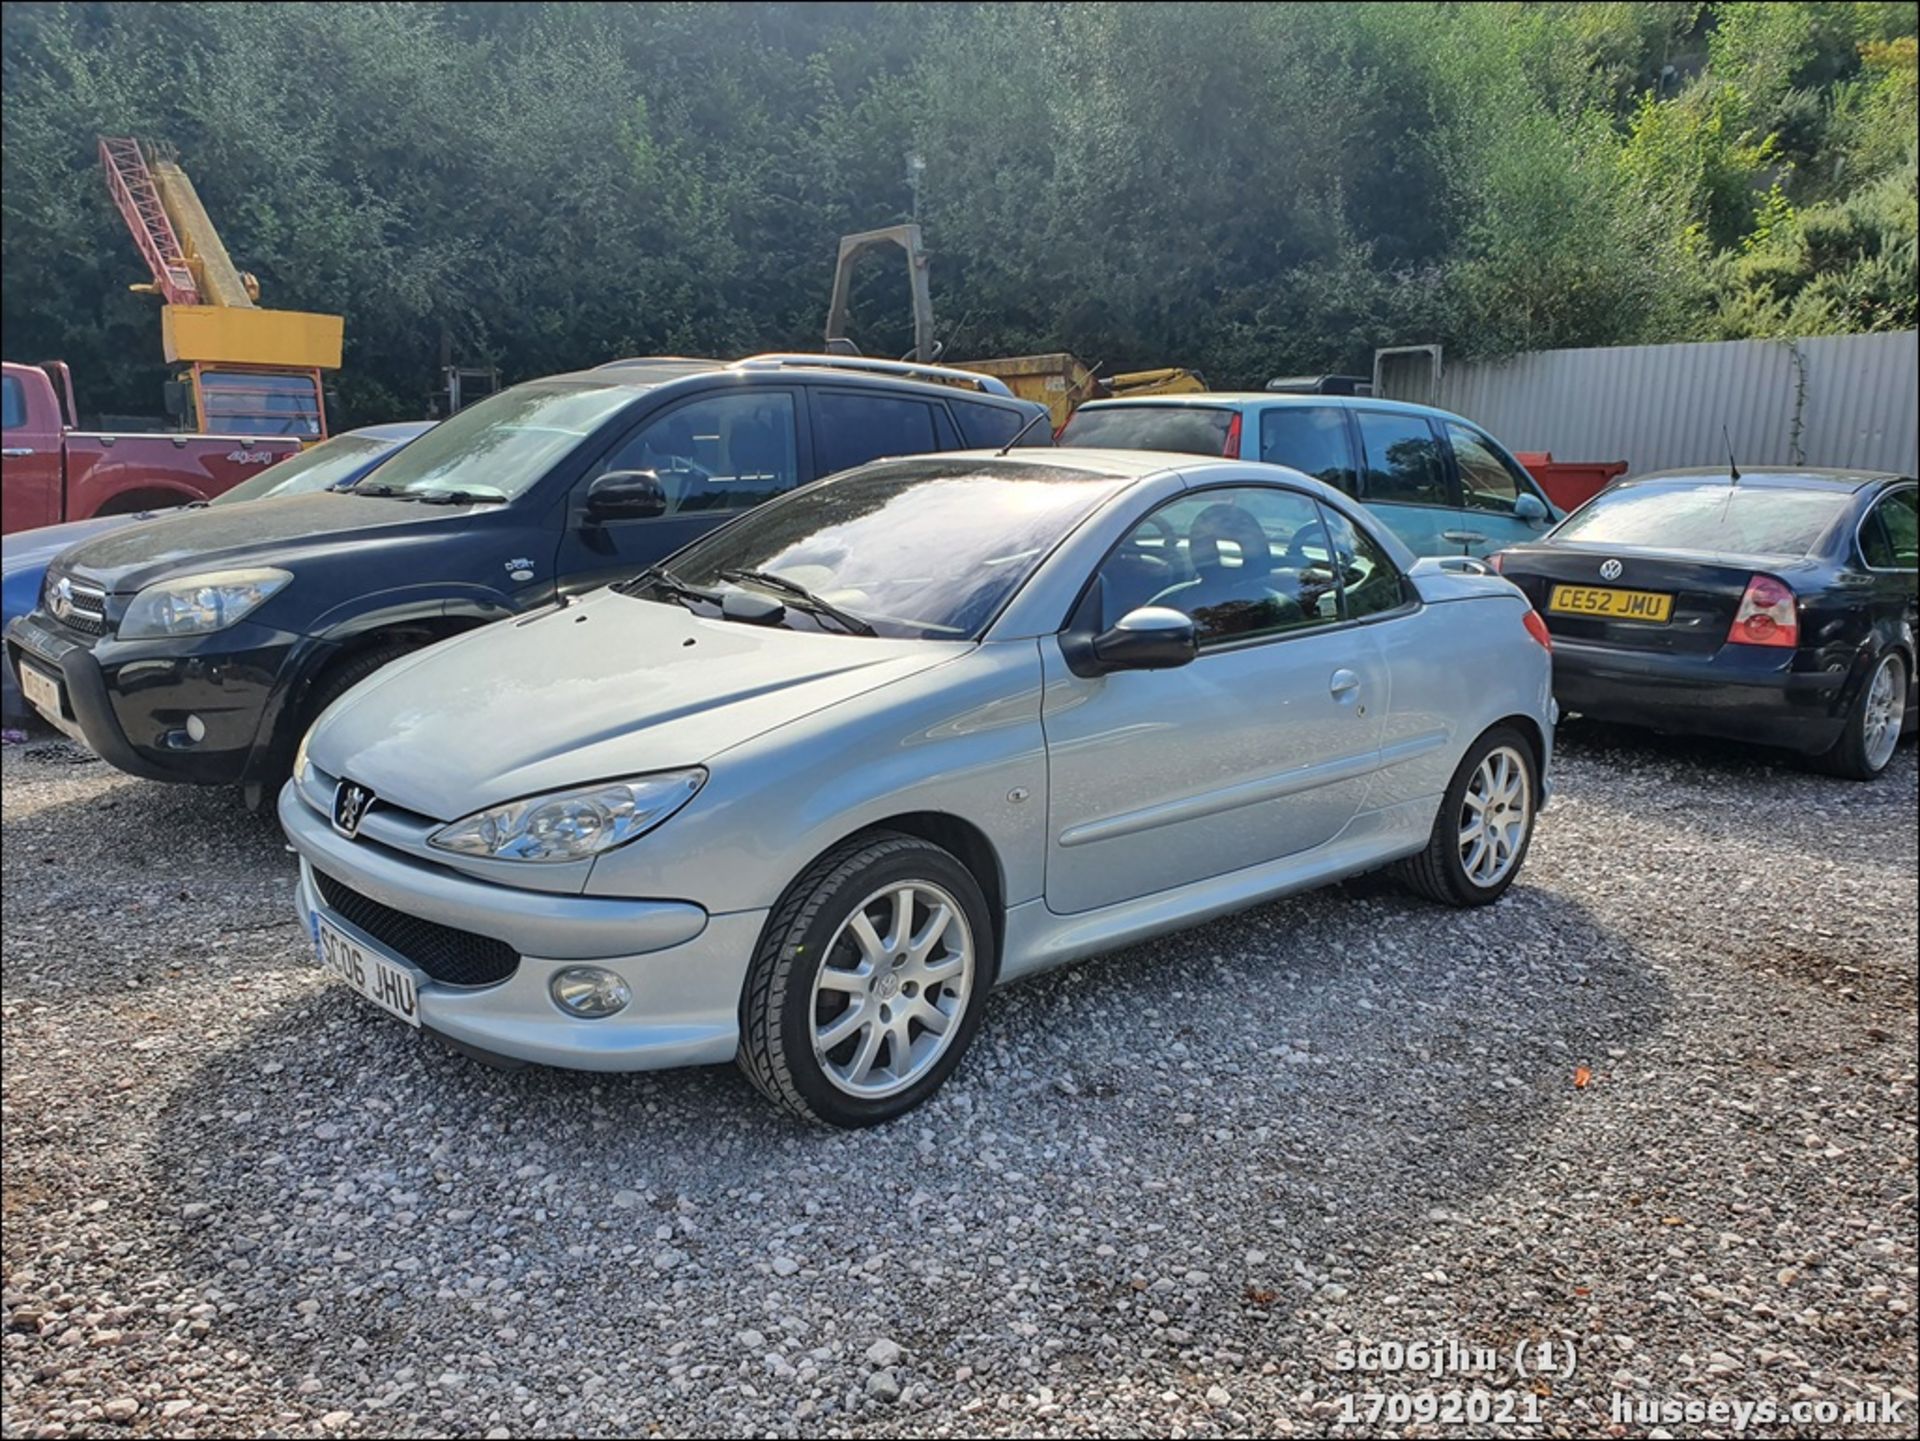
[1530,508]
[626,495]
[1153,637]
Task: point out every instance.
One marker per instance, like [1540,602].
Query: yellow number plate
[1604,604]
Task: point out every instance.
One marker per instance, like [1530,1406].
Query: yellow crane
[250,370]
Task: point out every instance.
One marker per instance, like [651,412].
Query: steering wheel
[1169,550]
[1297,558]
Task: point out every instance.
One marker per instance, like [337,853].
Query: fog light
[196,729]
[588,991]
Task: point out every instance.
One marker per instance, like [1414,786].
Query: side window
[1890,540]
[988,427]
[13,402]
[1371,583]
[851,427]
[1403,462]
[726,452]
[1244,561]
[1310,438]
[1487,482]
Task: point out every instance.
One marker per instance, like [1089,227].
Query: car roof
[1247,399]
[649,372]
[1774,477]
[394,430]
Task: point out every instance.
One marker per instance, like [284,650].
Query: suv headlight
[571,825]
[200,604]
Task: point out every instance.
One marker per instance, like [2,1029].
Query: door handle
[1343,684]
[14,452]
[1462,537]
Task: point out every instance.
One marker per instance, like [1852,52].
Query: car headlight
[200,604]
[571,825]
[300,759]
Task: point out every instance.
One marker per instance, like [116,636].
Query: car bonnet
[613,686]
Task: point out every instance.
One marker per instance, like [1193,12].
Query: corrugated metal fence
[1838,400]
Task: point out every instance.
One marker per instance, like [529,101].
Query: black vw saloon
[1768,606]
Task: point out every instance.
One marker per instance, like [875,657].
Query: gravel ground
[1658,1104]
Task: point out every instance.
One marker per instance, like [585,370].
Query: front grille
[81,608]
[453,957]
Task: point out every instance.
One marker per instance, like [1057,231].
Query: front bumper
[1739,693]
[132,701]
[686,968]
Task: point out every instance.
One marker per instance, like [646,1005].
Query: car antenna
[1021,434]
[1733,467]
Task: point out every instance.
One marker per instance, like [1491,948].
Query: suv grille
[452,957]
[78,607]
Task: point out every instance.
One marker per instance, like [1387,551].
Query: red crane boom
[133,189]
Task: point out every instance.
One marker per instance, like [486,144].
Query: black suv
[200,647]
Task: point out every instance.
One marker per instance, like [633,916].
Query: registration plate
[388,985]
[42,691]
[1606,604]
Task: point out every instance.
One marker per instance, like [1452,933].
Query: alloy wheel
[892,989]
[1886,713]
[1494,816]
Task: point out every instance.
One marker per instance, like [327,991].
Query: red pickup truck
[50,472]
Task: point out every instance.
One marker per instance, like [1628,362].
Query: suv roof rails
[904,369]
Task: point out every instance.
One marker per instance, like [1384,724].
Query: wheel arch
[281,727]
[147,497]
[1531,730]
[960,838]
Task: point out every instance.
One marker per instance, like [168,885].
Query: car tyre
[262,793]
[1875,724]
[1497,782]
[805,980]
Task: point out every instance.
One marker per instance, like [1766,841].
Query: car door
[1491,486]
[1890,548]
[715,454]
[1406,481]
[1259,749]
[30,472]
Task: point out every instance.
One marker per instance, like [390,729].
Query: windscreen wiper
[805,598]
[459,497]
[660,578]
[383,492]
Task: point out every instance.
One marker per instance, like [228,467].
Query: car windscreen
[1731,519]
[327,464]
[501,446]
[1187,429]
[925,549]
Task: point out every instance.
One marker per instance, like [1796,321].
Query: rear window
[1188,429]
[14,396]
[1736,520]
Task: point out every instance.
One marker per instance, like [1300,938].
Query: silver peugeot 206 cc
[804,795]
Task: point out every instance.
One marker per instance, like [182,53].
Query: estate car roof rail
[906,369]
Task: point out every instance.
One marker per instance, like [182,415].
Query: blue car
[1438,481]
[24,555]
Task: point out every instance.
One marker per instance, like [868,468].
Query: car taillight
[1537,628]
[1230,447]
[1498,560]
[1767,615]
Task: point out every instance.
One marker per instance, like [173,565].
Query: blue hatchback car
[1439,482]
